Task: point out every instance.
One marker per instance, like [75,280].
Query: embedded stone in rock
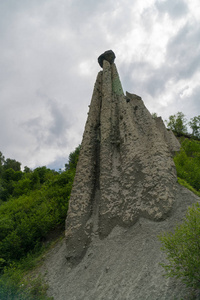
[107,55]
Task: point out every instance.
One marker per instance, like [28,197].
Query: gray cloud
[48,66]
[50,126]
[182,62]
[193,103]
[183,51]
[175,8]
[59,163]
[60,122]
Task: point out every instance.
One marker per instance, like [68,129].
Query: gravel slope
[123,266]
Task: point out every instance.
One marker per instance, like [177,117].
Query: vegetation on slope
[187,161]
[188,164]
[33,204]
[178,123]
[182,247]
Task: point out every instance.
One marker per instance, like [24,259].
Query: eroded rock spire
[125,169]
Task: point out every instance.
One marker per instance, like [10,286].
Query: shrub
[26,221]
[188,163]
[73,159]
[15,286]
[188,186]
[32,205]
[182,248]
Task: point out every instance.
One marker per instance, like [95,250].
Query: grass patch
[22,281]
[188,186]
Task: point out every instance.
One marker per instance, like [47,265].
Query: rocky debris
[108,56]
[123,266]
[125,169]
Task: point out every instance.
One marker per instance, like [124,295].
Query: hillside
[124,193]
[33,208]
[119,268]
[124,265]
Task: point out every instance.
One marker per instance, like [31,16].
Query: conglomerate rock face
[172,142]
[125,169]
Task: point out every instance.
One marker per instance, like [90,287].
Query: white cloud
[48,66]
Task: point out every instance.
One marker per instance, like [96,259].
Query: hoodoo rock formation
[125,169]
[125,183]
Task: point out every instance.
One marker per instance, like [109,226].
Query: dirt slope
[122,266]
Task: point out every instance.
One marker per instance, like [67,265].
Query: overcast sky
[48,66]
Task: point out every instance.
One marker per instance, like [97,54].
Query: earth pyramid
[125,169]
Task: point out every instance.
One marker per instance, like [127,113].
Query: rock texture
[107,55]
[172,142]
[125,169]
[125,181]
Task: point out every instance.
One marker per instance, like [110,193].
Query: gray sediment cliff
[125,193]
[125,169]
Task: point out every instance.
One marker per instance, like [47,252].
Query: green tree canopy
[12,164]
[27,170]
[73,159]
[195,126]
[177,123]
[2,159]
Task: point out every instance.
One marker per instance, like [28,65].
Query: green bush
[32,205]
[188,186]
[14,286]
[187,163]
[73,159]
[25,221]
[182,248]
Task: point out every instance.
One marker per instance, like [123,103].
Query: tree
[195,126]
[154,115]
[2,159]
[12,164]
[177,123]
[27,170]
[42,172]
[73,159]
[183,249]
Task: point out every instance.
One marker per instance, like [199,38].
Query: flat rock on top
[108,55]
